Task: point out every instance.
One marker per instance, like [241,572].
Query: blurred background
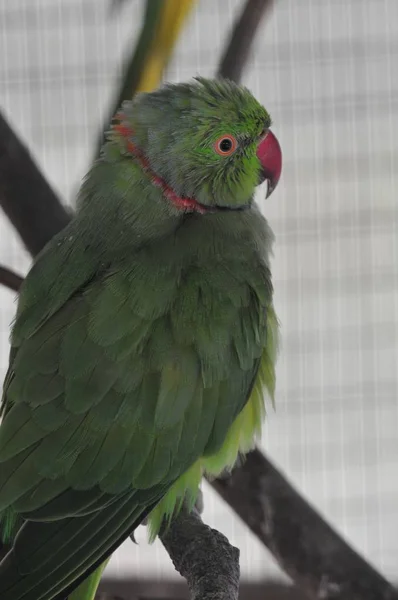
[326,71]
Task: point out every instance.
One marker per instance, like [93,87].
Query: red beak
[269,154]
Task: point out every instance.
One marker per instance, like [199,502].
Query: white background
[326,71]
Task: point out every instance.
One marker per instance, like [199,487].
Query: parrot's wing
[60,554]
[106,409]
[7,380]
[87,589]
[77,433]
[62,268]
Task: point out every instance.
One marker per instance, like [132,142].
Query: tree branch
[238,49]
[319,561]
[203,556]
[10,279]
[25,196]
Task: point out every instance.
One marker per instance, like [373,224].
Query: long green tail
[87,589]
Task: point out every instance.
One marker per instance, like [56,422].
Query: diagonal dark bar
[25,196]
[318,560]
[10,279]
[241,40]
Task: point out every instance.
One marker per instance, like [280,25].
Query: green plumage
[137,343]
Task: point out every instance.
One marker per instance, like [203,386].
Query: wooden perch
[204,557]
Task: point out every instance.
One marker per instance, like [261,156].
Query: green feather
[18,432]
[42,493]
[17,475]
[87,590]
[40,389]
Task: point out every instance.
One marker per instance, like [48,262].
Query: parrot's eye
[225,145]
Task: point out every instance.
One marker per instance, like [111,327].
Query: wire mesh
[325,70]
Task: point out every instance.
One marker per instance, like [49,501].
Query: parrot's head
[207,143]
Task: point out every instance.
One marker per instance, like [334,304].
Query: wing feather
[128,391]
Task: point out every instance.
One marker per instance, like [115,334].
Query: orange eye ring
[226,145]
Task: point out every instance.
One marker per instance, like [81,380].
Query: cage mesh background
[326,71]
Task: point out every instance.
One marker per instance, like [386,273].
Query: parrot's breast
[151,376]
[210,347]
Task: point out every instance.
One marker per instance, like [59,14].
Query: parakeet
[145,337]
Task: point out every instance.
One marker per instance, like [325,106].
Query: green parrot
[145,337]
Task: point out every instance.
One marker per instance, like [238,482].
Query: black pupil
[225,145]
